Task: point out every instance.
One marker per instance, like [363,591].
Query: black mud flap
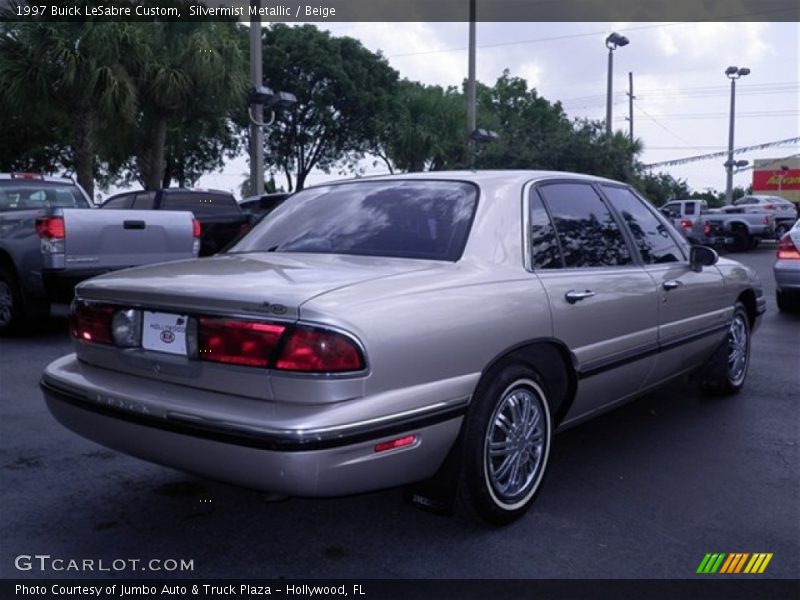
[438,494]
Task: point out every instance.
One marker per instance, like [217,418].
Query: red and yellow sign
[769,177]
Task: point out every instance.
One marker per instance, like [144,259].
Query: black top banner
[403,10]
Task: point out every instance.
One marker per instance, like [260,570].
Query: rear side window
[200,203]
[690,208]
[544,250]
[404,219]
[586,230]
[27,195]
[649,234]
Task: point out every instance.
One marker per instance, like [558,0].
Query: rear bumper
[259,454]
[787,275]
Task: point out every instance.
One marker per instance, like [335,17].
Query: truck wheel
[11,313]
[741,241]
[725,373]
[506,445]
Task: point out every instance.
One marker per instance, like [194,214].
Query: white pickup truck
[736,228]
[51,238]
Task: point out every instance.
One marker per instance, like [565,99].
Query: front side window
[118,202]
[649,234]
[405,219]
[587,232]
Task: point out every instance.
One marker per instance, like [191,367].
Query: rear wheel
[786,302]
[11,313]
[781,229]
[507,445]
[726,372]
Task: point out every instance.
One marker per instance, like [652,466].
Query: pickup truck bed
[50,240]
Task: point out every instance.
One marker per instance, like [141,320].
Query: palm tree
[182,65]
[76,69]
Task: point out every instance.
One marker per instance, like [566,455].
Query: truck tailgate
[112,239]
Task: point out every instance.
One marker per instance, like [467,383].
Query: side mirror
[702,256]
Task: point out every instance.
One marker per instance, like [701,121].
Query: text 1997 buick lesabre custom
[369,332]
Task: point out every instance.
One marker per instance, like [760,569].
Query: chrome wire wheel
[738,349]
[516,444]
[6,304]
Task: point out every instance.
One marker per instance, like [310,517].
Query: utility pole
[256,109]
[733,73]
[631,97]
[613,41]
[471,110]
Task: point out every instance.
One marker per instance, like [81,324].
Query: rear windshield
[406,219]
[200,203]
[27,195]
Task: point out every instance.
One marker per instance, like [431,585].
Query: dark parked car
[260,206]
[221,219]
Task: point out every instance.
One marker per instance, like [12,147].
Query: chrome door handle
[572,296]
[671,284]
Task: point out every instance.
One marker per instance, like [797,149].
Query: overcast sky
[682,94]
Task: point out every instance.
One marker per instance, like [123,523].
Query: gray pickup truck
[740,228]
[51,239]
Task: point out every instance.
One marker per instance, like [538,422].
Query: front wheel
[507,445]
[781,229]
[726,372]
[11,313]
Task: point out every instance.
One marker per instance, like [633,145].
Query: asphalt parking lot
[643,492]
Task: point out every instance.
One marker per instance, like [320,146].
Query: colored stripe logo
[736,562]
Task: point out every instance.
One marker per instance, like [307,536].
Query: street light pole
[733,74]
[613,42]
[471,109]
[256,108]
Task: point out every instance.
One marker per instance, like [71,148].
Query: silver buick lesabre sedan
[377,332]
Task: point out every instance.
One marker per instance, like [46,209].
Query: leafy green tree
[342,89]
[72,73]
[662,187]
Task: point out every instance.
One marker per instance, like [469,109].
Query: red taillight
[398,443]
[49,228]
[237,342]
[91,322]
[313,350]
[686,223]
[766,220]
[769,206]
[197,230]
[706,229]
[787,250]
[272,345]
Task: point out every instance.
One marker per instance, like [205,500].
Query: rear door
[692,306]
[96,240]
[604,305]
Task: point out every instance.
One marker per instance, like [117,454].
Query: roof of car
[35,177]
[488,177]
